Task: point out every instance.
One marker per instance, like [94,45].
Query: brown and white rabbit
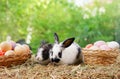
[42,55]
[66,52]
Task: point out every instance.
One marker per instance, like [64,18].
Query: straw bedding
[32,70]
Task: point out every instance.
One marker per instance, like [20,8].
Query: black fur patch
[45,53]
[22,41]
[79,51]
[60,54]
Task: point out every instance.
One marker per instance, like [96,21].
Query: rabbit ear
[56,38]
[68,42]
[50,46]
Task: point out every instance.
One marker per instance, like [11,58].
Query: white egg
[113,45]
[9,52]
[94,48]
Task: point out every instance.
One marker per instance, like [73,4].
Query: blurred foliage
[45,17]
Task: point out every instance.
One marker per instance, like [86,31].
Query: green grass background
[45,17]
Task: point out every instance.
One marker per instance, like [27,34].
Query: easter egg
[99,43]
[26,47]
[9,52]
[5,46]
[17,44]
[113,45]
[2,53]
[94,48]
[20,50]
[13,44]
[89,45]
[104,47]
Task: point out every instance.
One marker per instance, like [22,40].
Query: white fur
[55,50]
[68,54]
[39,54]
[39,57]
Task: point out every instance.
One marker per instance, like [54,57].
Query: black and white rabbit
[42,55]
[66,52]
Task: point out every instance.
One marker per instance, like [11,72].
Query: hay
[33,70]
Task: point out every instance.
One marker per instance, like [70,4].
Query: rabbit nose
[55,60]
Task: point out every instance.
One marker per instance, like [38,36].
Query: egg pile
[102,45]
[12,48]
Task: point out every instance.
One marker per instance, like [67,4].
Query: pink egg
[89,45]
[99,43]
[13,44]
[105,47]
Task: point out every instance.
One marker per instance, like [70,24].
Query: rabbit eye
[60,54]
